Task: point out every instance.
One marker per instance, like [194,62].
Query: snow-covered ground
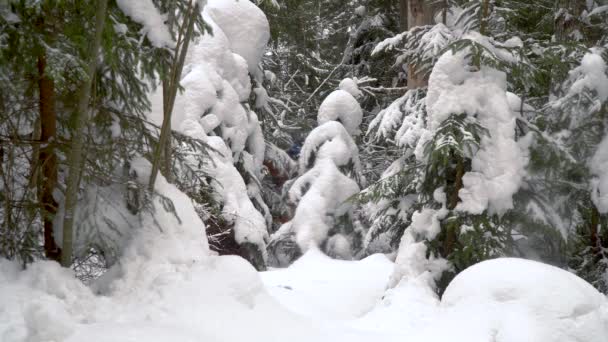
[316,299]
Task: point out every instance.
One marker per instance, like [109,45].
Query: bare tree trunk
[75,158]
[183,40]
[419,13]
[403,15]
[483,23]
[47,160]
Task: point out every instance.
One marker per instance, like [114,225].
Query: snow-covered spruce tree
[449,196]
[28,119]
[329,174]
[113,202]
[46,42]
[214,109]
[395,132]
[582,110]
[570,128]
[338,37]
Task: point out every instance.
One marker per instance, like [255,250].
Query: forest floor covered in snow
[315,299]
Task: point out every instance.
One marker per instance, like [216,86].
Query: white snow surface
[215,298]
[103,221]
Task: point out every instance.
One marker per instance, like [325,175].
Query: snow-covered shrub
[329,174]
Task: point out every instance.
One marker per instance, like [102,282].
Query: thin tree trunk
[169,95]
[594,224]
[47,160]
[403,15]
[483,23]
[419,13]
[75,158]
[453,195]
[167,153]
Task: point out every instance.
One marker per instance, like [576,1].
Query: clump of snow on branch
[145,13]
[498,168]
[402,122]
[329,140]
[325,199]
[246,28]
[342,106]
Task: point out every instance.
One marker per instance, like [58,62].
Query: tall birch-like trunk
[170,87]
[75,158]
[419,13]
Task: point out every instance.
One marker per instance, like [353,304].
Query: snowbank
[105,221]
[315,299]
[518,300]
[317,285]
[502,300]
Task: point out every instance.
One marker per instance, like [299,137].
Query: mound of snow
[316,285]
[518,300]
[501,300]
[105,222]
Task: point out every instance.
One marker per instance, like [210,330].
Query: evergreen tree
[329,173]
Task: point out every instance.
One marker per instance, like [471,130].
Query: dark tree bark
[47,160]
[403,15]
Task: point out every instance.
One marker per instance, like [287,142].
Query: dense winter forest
[304,170]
